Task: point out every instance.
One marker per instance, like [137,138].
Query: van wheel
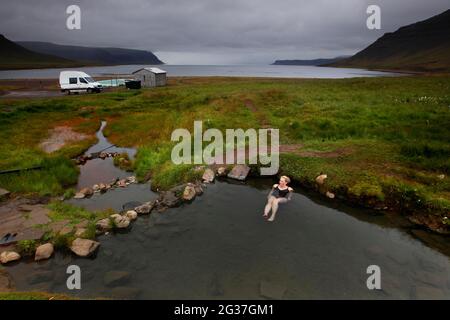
[89,90]
[68,92]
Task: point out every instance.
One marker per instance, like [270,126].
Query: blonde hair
[286,178]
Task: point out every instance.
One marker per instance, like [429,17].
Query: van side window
[73,80]
[82,80]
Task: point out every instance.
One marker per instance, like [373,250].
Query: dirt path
[259,115]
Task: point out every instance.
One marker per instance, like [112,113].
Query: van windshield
[89,79]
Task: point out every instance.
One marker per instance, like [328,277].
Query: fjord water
[220,247]
[272,71]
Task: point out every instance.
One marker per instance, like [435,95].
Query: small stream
[215,248]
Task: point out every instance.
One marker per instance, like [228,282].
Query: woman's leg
[268,205]
[275,207]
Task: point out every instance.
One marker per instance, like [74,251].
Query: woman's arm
[271,190]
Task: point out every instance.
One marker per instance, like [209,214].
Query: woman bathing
[280,193]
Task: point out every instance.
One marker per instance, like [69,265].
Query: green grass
[34,296]
[394,131]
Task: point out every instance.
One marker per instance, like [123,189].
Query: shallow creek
[220,247]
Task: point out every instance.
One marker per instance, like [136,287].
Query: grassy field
[378,139]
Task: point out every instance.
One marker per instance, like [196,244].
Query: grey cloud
[213,31]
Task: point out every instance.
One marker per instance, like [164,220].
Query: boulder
[66,230]
[131,215]
[43,252]
[169,199]
[6,282]
[222,171]
[122,183]
[121,222]
[208,176]
[198,189]
[102,188]
[146,208]
[87,191]
[131,179]
[9,256]
[320,180]
[84,247]
[189,192]
[115,278]
[239,172]
[80,232]
[103,225]
[79,195]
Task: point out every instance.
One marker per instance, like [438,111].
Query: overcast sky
[215,31]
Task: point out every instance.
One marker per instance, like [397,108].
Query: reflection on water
[102,170]
[215,248]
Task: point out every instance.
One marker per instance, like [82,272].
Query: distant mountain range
[27,54]
[422,46]
[13,56]
[314,62]
[93,55]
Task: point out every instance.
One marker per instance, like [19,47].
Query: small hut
[151,77]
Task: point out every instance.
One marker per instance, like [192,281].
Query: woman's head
[284,180]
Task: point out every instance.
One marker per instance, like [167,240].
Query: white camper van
[77,81]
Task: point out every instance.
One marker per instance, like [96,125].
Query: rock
[87,192]
[330,195]
[116,278]
[131,179]
[239,172]
[84,247]
[198,189]
[4,193]
[189,192]
[120,221]
[43,252]
[146,208]
[80,232]
[131,215]
[126,293]
[441,176]
[103,225]
[272,290]
[208,176]
[79,195]
[66,230]
[103,155]
[6,282]
[122,183]
[9,256]
[96,188]
[222,171]
[169,199]
[320,180]
[102,187]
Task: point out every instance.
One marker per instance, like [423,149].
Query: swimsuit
[278,193]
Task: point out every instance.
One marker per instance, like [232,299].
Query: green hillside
[422,46]
[13,56]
